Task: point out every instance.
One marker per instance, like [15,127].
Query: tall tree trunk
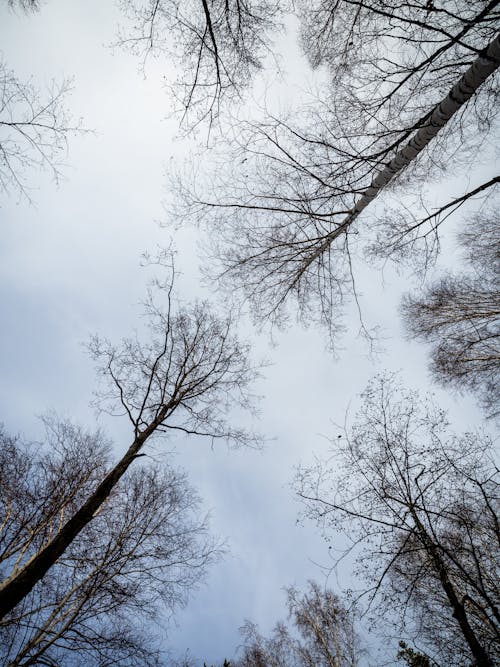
[481,658]
[483,67]
[21,582]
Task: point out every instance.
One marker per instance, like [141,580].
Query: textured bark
[20,583]
[480,656]
[483,67]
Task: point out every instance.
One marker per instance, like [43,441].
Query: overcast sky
[70,266]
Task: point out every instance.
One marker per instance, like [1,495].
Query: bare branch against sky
[459,314]
[407,99]
[34,130]
[139,558]
[419,507]
[389,131]
[185,376]
[218,46]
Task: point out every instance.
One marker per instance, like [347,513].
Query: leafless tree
[34,129]
[25,5]
[218,45]
[419,507]
[459,315]
[186,376]
[146,545]
[326,635]
[413,90]
[410,234]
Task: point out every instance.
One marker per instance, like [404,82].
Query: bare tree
[459,314]
[383,50]
[34,129]
[326,635]
[408,97]
[218,44]
[419,506]
[25,5]
[410,235]
[146,545]
[186,377]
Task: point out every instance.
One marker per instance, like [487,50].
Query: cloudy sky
[70,266]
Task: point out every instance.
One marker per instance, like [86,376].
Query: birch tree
[323,634]
[184,377]
[408,98]
[459,315]
[147,545]
[418,506]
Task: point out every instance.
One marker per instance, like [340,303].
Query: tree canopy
[406,99]
[98,546]
[185,377]
[419,508]
[139,558]
[459,314]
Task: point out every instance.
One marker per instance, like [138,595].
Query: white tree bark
[485,65]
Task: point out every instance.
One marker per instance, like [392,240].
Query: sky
[70,266]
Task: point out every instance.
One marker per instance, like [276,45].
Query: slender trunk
[20,583]
[49,630]
[459,613]
[483,67]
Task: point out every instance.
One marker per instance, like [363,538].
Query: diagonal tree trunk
[459,613]
[191,364]
[483,67]
[20,583]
